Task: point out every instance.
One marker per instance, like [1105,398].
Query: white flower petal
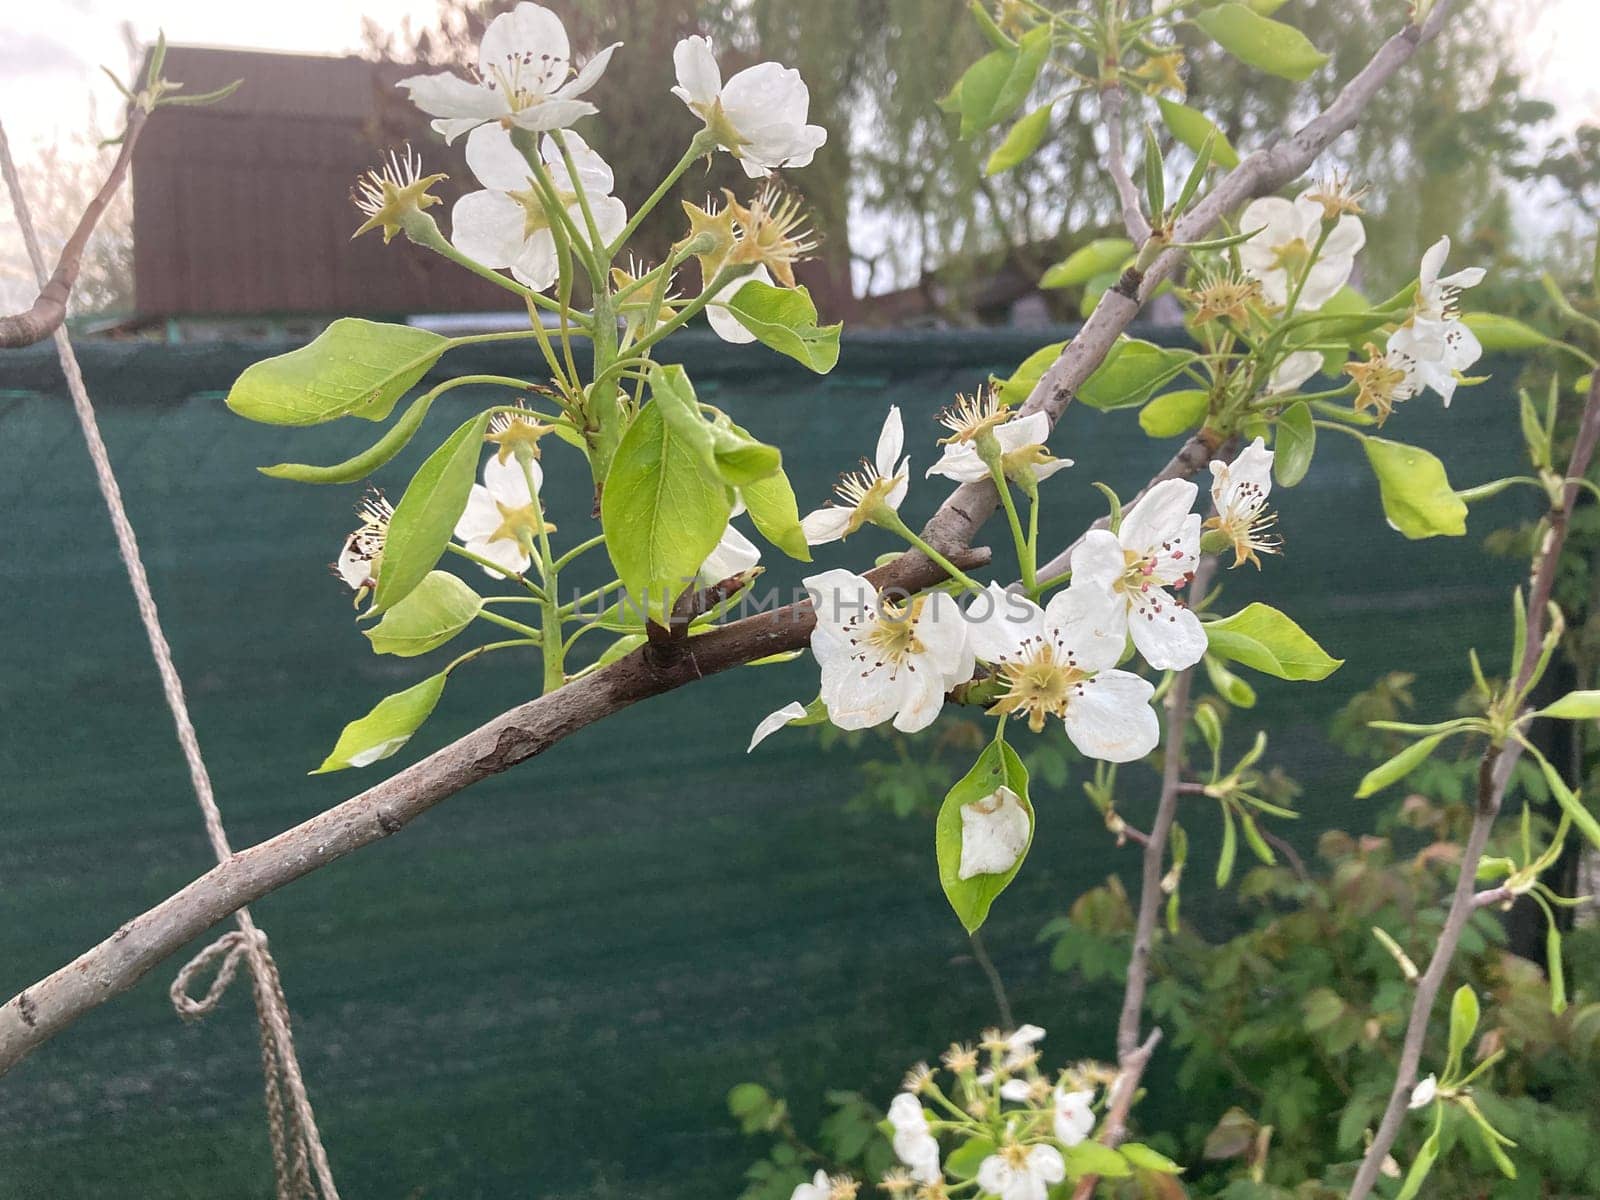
[1098,559]
[891,441]
[526,46]
[508,552]
[495,161]
[994,833]
[550,114]
[450,96]
[480,518]
[733,555]
[1158,516]
[999,622]
[1090,621]
[699,79]
[588,75]
[824,525]
[1111,719]
[1168,635]
[508,484]
[487,227]
[772,722]
[538,265]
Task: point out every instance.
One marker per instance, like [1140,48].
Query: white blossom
[1022,1172]
[1279,254]
[913,1144]
[1073,1118]
[1156,547]
[759,116]
[883,481]
[1059,661]
[362,553]
[994,833]
[501,521]
[1021,443]
[774,721]
[1423,1094]
[881,660]
[734,554]
[1239,492]
[507,223]
[820,1188]
[524,77]
[1435,345]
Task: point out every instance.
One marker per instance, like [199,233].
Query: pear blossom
[1294,370]
[1280,253]
[1435,345]
[723,323]
[1019,1172]
[362,553]
[1157,547]
[506,224]
[502,519]
[1424,1093]
[733,555]
[524,78]
[1073,1118]
[913,1143]
[1021,445]
[1059,661]
[1239,491]
[759,116]
[882,660]
[1016,1048]
[774,721]
[820,1188]
[881,482]
[994,833]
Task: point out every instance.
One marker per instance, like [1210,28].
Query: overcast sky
[51,51]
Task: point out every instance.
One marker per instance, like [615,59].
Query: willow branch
[45,1008]
[49,308]
[1494,774]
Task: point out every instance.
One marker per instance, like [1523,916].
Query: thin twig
[1111,102]
[1002,1002]
[1494,773]
[49,308]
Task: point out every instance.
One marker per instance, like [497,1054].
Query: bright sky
[50,52]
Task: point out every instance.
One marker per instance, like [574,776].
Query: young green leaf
[1464,1013]
[1261,637]
[394,440]
[1092,1158]
[1420,1166]
[1020,142]
[1261,42]
[1570,803]
[1015,389]
[1294,445]
[1230,848]
[1146,1159]
[1229,686]
[776,514]
[1397,768]
[386,728]
[785,320]
[1175,413]
[1193,128]
[997,767]
[1084,263]
[354,368]
[1574,706]
[1155,176]
[426,515]
[995,86]
[663,511]
[1416,492]
[437,609]
[1131,373]
[1497,333]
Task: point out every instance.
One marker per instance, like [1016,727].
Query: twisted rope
[300,1163]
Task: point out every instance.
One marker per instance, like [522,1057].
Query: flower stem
[890,520]
[698,148]
[1024,547]
[495,568]
[517,626]
[554,652]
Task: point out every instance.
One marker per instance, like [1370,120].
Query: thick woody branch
[1494,774]
[49,309]
[44,1008]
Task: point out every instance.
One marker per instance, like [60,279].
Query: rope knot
[231,948]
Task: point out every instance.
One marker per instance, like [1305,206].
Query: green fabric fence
[546,987]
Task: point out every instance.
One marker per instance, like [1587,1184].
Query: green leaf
[995,86]
[394,440]
[785,320]
[1023,139]
[1395,769]
[998,766]
[1294,445]
[663,510]
[1498,333]
[1131,373]
[1092,1158]
[776,514]
[1420,1166]
[739,459]
[1463,1020]
[963,1163]
[1084,263]
[1570,803]
[1261,637]
[1229,686]
[386,728]
[1192,127]
[437,609]
[1146,1159]
[354,368]
[1261,42]
[1230,848]
[426,515]
[1558,976]
[731,452]
[1416,492]
[1574,706]
[1013,391]
[1175,412]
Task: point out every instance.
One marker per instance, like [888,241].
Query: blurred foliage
[900,198]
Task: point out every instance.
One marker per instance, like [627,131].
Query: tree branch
[1494,773]
[49,309]
[1111,102]
[43,1009]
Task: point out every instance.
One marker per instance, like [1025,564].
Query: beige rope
[297,1151]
